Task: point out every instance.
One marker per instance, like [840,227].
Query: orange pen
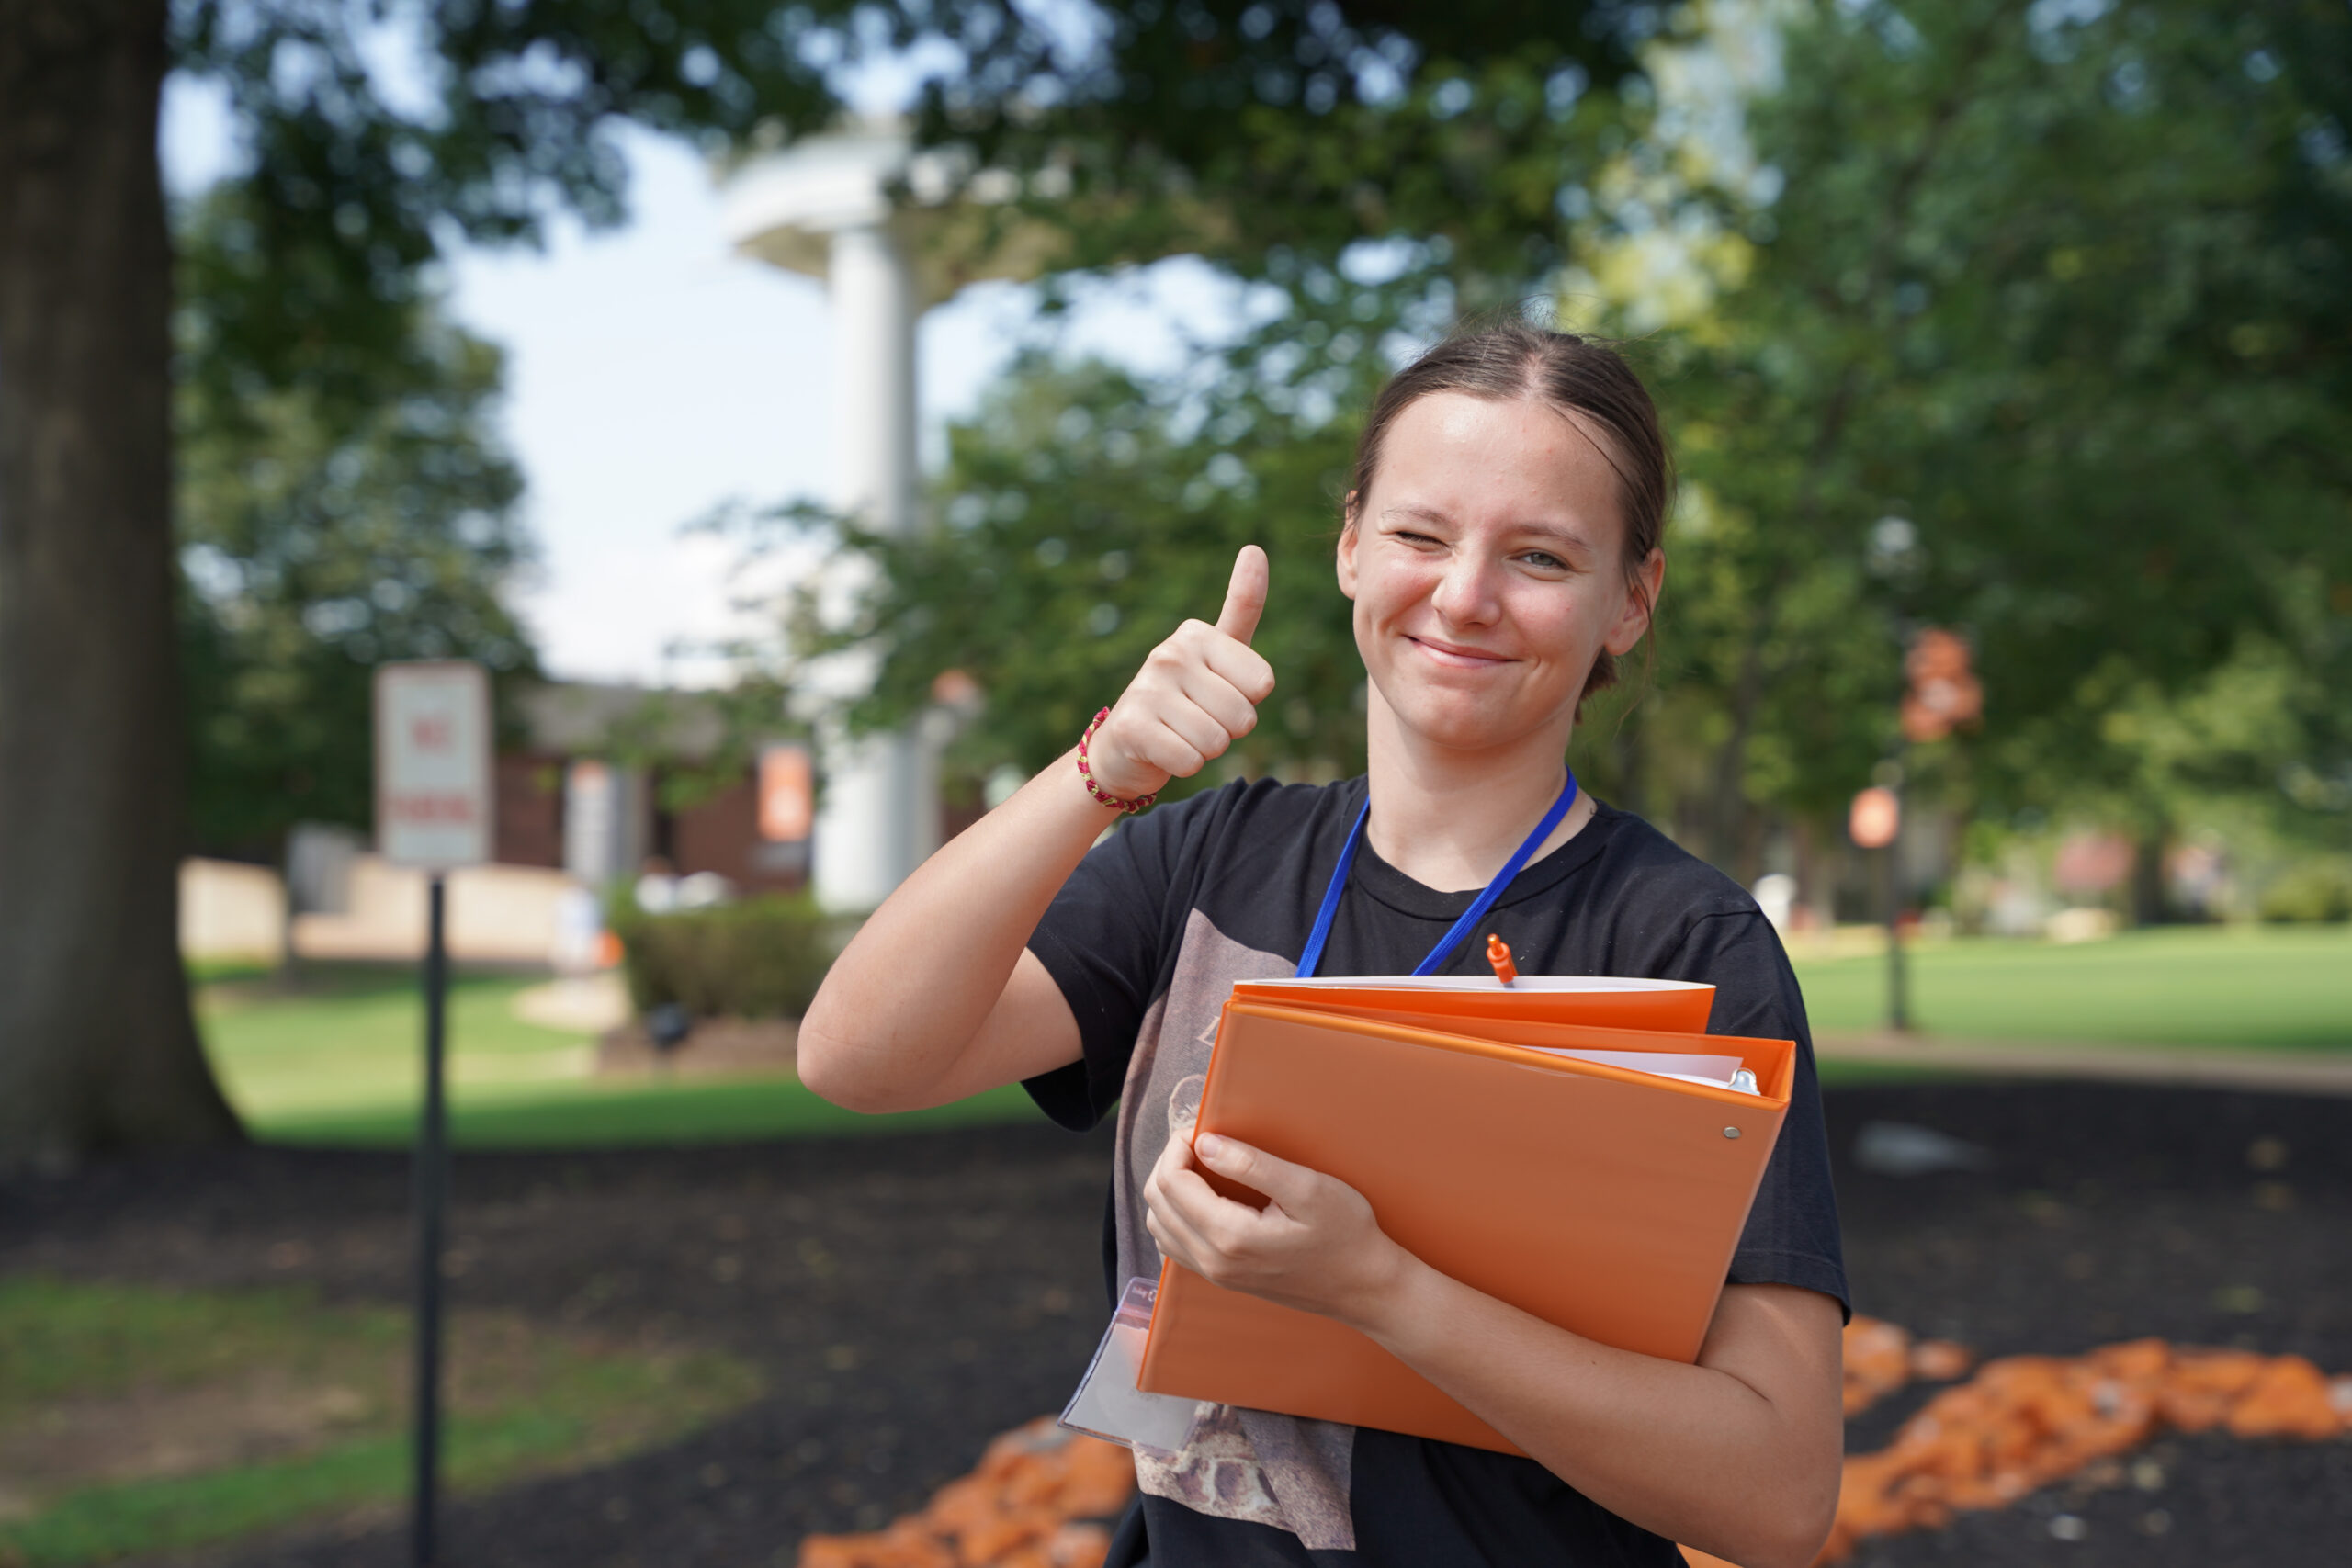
[1499,954]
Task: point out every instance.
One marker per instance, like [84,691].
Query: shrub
[759,958]
[2318,890]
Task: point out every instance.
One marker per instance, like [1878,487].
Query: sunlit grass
[2278,986]
[340,1061]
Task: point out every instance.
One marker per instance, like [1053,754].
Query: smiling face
[1486,564]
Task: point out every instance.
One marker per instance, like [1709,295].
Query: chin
[1459,722]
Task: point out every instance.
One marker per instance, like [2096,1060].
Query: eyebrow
[1431,514]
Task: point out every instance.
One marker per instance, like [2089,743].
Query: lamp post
[1941,693]
[1875,823]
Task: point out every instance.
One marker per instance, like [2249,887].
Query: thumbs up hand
[1196,694]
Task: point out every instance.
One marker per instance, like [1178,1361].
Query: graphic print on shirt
[1242,1464]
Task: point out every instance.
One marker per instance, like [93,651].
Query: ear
[1648,580]
[1347,552]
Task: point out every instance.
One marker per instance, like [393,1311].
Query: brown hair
[1514,358]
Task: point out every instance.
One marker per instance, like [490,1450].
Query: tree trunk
[97,1045]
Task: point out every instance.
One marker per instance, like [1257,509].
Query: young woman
[1501,548]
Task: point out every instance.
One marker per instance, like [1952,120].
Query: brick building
[567,800]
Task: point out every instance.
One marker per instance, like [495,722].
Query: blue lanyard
[1470,916]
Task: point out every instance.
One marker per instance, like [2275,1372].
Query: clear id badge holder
[1108,1405]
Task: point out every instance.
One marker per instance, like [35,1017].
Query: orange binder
[1600,1198]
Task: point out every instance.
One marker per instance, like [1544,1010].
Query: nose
[1469,593]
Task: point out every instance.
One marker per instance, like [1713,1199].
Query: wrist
[1109,780]
[1385,1297]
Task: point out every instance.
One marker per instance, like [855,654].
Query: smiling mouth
[1455,658]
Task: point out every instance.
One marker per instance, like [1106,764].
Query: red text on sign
[426,809]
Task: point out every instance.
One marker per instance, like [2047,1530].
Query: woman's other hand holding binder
[1315,1245]
[1624,1429]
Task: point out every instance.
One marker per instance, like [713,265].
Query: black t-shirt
[1146,940]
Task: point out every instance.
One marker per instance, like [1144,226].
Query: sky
[652,375]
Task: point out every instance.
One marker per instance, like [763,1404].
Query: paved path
[2283,1072]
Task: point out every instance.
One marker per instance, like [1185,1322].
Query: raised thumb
[1245,596]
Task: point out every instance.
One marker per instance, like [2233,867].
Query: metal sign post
[433,812]
[431,1174]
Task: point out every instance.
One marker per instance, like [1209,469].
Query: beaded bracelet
[1085,772]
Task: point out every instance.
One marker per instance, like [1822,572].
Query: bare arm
[1738,1454]
[937,997]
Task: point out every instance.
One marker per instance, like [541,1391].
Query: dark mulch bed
[910,1296]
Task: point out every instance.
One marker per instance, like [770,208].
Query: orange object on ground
[2026,1421]
[1882,1358]
[1599,1198]
[1024,1506]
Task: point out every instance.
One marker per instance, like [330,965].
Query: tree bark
[98,1048]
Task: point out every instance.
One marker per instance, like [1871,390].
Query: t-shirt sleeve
[1792,1235]
[1103,940]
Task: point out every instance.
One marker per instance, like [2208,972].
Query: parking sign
[432,763]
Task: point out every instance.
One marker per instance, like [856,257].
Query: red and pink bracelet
[1085,772]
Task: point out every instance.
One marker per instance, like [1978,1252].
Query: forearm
[1690,1451]
[911,991]
[931,1001]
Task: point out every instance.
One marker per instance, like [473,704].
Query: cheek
[1389,582]
[1562,621]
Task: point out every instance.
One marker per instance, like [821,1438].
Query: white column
[873,375]
[880,807]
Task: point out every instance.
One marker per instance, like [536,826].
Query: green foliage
[1085,516]
[2316,891]
[757,958]
[344,499]
[2032,326]
[349,191]
[1374,171]
[1249,129]
[346,505]
[2065,291]
[320,538]
[2066,294]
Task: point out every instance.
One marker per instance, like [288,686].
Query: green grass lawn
[339,1062]
[135,1420]
[2278,986]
